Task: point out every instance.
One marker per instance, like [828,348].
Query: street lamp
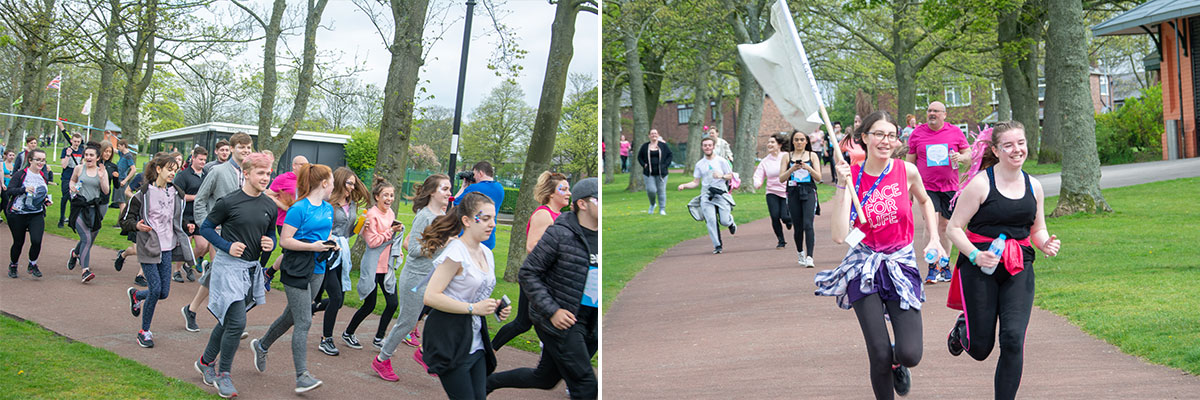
[462,80]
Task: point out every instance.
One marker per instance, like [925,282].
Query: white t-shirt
[704,170]
[472,284]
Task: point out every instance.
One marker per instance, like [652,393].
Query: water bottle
[944,262]
[930,256]
[996,248]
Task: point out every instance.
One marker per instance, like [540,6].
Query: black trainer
[189,320]
[87,276]
[120,261]
[33,270]
[140,281]
[191,274]
[957,333]
[12,271]
[328,347]
[72,261]
[781,245]
[733,229]
[145,339]
[133,302]
[177,277]
[717,250]
[902,379]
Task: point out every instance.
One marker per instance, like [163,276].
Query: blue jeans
[158,279]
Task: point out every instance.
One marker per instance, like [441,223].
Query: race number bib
[591,289]
[801,175]
[937,155]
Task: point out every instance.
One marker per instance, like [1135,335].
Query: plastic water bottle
[996,248]
[944,262]
[930,256]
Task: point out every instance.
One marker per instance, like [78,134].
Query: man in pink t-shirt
[938,148]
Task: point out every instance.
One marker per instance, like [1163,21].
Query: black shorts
[941,202]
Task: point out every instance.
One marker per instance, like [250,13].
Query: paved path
[98,314]
[745,324]
[1132,174]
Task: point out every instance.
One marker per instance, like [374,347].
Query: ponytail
[439,232]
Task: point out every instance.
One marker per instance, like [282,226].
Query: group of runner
[237,216]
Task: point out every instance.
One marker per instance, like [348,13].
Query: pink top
[625,147]
[857,154]
[889,210]
[553,215]
[933,155]
[768,169]
[284,183]
[379,231]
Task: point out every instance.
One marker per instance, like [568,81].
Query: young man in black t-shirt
[236,279]
[188,181]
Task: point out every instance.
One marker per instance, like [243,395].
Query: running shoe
[415,333]
[412,341]
[377,342]
[351,340]
[133,302]
[780,245]
[306,382]
[902,379]
[12,271]
[419,357]
[61,222]
[145,339]
[932,276]
[120,261]
[328,347]
[800,259]
[270,274]
[140,281]
[208,372]
[946,274]
[33,270]
[225,386]
[189,320]
[191,274]
[177,277]
[87,276]
[260,356]
[72,261]
[957,333]
[733,229]
[384,369]
[717,250]
[808,261]
[244,335]
[662,212]
[651,210]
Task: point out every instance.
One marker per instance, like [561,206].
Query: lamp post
[462,80]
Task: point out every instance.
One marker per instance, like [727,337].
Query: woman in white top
[457,347]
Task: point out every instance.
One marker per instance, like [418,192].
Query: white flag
[781,67]
[87,107]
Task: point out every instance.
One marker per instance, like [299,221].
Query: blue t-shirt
[127,160]
[493,190]
[312,223]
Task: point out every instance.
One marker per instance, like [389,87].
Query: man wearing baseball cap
[561,278]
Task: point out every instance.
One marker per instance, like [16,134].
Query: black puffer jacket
[555,273]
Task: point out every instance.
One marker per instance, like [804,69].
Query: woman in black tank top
[800,170]
[990,288]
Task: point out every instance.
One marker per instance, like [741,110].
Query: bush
[509,206]
[362,150]
[1132,131]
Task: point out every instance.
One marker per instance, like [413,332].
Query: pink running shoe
[419,358]
[384,369]
[412,340]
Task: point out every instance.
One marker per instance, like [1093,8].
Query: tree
[751,24]
[1067,71]
[1019,33]
[546,123]
[575,147]
[272,29]
[499,128]
[210,93]
[32,36]
[278,143]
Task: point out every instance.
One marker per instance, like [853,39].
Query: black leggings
[332,285]
[802,203]
[517,326]
[468,380]
[389,309]
[906,324]
[778,208]
[35,224]
[998,297]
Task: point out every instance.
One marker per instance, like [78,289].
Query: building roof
[223,127]
[1148,15]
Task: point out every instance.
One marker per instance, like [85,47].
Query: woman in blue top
[305,230]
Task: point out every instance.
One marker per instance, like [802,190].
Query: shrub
[1130,132]
[362,150]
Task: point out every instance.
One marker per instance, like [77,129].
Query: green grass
[38,363]
[1033,168]
[633,238]
[1129,277]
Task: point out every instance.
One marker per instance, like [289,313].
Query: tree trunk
[266,105]
[749,117]
[637,97]
[279,143]
[31,45]
[140,71]
[906,94]
[396,127]
[1066,56]
[1004,108]
[611,114]
[696,122]
[1019,68]
[545,128]
[108,68]
[653,63]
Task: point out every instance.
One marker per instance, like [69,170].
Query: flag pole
[89,114]
[56,111]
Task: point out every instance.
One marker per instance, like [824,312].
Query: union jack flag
[55,83]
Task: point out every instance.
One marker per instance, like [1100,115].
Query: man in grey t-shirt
[715,204]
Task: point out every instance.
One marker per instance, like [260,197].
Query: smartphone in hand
[504,302]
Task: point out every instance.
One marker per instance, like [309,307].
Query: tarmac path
[97,313]
[745,324]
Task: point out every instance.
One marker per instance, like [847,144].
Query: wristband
[839,187]
[972,255]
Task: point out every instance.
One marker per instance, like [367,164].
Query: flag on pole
[18,101]
[87,107]
[55,83]
[781,67]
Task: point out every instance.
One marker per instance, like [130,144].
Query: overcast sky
[354,36]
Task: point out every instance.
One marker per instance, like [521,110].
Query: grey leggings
[298,313]
[225,337]
[906,324]
[86,239]
[411,303]
[656,187]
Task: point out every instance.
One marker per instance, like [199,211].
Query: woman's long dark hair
[426,190]
[439,232]
[791,146]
